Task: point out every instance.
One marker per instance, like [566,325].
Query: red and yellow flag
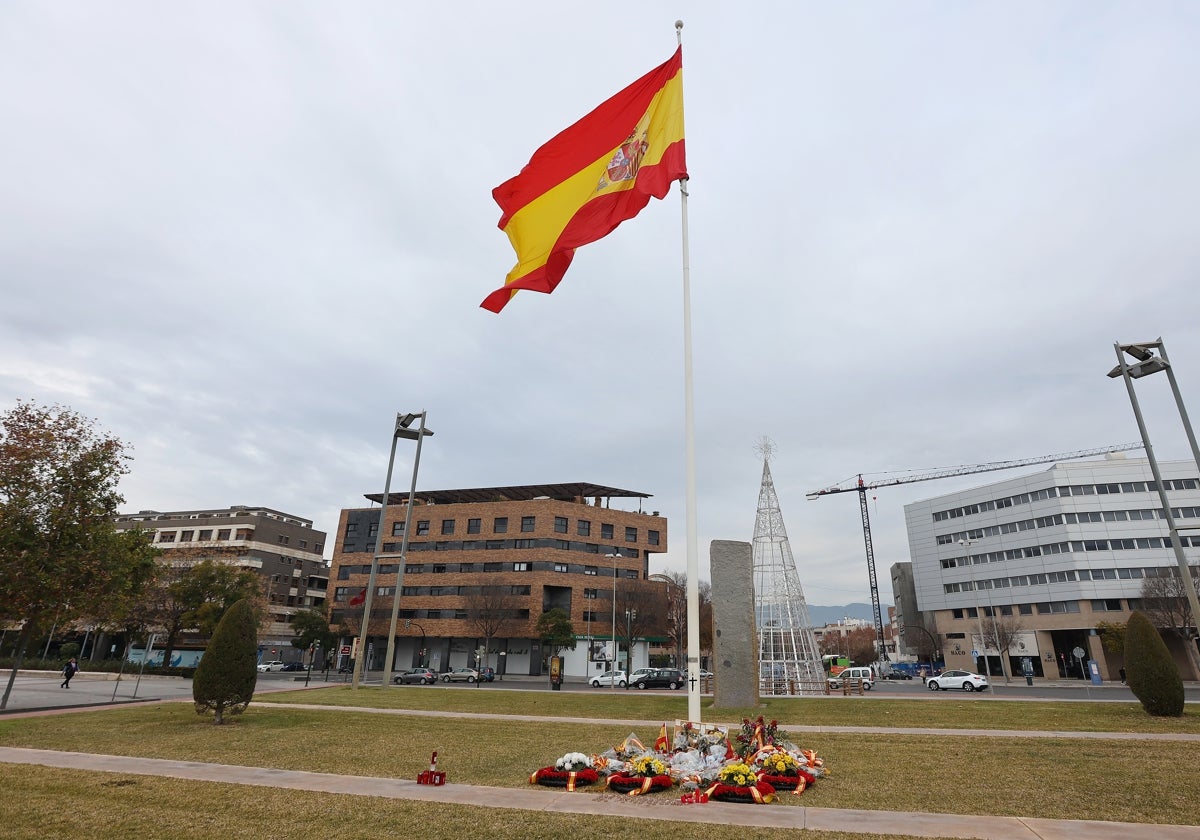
[591,177]
[661,744]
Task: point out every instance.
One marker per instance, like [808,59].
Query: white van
[867,675]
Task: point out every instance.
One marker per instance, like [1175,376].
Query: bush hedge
[1149,669]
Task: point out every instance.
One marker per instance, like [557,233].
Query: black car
[897,675]
[294,666]
[671,678]
[422,676]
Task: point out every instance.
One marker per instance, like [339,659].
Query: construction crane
[861,487]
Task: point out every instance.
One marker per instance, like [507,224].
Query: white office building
[1053,553]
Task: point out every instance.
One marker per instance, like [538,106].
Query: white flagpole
[689,434]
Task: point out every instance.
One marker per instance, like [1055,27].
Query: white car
[274,665]
[609,679]
[640,672]
[957,679]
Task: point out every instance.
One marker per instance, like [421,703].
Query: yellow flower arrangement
[738,775]
[780,764]
[647,766]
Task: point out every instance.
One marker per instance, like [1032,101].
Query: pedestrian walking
[68,671]
[1122,670]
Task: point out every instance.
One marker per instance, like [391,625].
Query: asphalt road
[40,690]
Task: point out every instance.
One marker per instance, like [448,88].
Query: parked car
[417,676]
[671,678]
[294,666]
[862,672]
[897,675]
[705,674]
[461,675]
[957,679]
[273,665]
[638,673]
[609,679]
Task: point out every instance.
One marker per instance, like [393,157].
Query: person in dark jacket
[68,671]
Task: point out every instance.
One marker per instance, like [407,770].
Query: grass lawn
[67,803]
[1138,781]
[978,711]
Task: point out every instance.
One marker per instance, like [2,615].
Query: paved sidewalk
[583,802]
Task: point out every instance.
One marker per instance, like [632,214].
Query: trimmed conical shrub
[1150,670]
[225,677]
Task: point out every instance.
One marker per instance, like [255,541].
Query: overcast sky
[243,236]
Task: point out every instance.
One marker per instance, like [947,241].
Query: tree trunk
[22,642]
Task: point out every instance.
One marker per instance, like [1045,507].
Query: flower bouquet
[571,771]
[780,769]
[739,782]
[646,773]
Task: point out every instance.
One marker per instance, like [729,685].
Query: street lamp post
[402,430]
[1147,364]
[630,616]
[616,647]
[987,669]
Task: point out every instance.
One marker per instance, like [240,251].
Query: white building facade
[1055,553]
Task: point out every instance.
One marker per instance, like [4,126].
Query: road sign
[345,650]
[974,654]
[1078,653]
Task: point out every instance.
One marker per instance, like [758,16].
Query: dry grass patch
[73,803]
[940,711]
[1052,778]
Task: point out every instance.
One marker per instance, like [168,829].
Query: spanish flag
[660,743]
[591,177]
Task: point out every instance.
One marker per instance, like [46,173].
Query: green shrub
[68,650]
[224,680]
[1150,671]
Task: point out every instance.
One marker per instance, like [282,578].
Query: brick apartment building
[542,546]
[284,549]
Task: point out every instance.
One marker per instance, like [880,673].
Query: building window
[351,527]
[519,590]
[560,567]
[223,534]
[414,568]
[187,536]
[528,523]
[473,525]
[447,526]
[439,569]
[560,524]
[282,539]
[589,570]
[398,529]
[590,593]
[166,536]
[373,529]
[304,543]
[583,528]
[631,535]
[606,532]
[652,537]
[245,533]
[520,567]
[500,526]
[206,535]
[422,527]
[385,590]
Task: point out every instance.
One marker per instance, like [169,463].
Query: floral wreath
[646,773]
[571,771]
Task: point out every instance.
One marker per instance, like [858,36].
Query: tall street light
[630,616]
[403,421]
[1148,363]
[402,430]
[987,670]
[616,647]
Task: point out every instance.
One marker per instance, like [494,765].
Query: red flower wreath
[551,777]
[759,793]
[796,783]
[636,785]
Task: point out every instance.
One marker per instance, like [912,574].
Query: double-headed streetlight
[1147,363]
[987,668]
[616,647]
[400,430]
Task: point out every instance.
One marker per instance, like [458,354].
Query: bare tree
[1165,603]
[641,611]
[1001,633]
[491,611]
